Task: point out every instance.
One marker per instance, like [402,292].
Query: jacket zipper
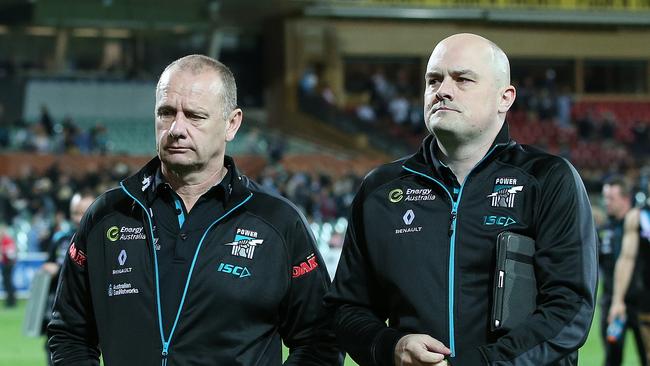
[167,343]
[452,242]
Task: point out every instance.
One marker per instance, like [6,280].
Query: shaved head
[493,54]
[467,89]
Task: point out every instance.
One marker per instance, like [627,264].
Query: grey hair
[197,64]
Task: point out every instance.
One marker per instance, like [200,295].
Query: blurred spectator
[364,110]
[46,120]
[4,128]
[8,255]
[58,249]
[399,109]
[546,105]
[99,139]
[308,81]
[564,105]
[607,129]
[641,136]
[586,126]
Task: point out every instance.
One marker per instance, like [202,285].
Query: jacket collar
[426,162]
[142,185]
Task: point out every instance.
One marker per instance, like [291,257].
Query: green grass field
[18,350]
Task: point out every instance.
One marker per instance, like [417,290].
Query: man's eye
[195,117]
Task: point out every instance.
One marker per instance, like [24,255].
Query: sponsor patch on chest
[244,243]
[505,192]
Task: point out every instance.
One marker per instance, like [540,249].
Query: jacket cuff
[383,348]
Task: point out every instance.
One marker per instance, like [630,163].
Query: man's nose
[178,128]
[446,90]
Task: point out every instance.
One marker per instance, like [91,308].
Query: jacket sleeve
[72,333]
[306,326]
[566,272]
[360,313]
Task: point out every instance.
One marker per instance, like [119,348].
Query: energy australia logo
[395,195]
[411,195]
[115,233]
[504,192]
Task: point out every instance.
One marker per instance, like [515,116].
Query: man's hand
[616,310]
[420,349]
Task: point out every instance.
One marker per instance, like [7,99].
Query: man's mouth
[438,109]
[177,149]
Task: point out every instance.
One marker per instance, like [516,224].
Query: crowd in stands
[599,138]
[52,137]
[381,105]
[35,206]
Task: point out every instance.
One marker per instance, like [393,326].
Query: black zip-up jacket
[422,257]
[256,280]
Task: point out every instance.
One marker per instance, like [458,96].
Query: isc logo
[236,271]
[498,220]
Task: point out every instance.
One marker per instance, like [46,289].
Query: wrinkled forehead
[187,83]
[455,56]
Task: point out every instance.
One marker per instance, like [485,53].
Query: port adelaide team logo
[504,192]
[245,243]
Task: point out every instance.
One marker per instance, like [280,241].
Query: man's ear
[233,124]
[508,95]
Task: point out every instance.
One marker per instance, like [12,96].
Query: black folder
[515,287]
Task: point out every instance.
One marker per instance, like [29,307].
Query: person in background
[618,202]
[634,257]
[57,251]
[8,256]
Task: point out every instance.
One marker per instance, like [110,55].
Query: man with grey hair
[415,282]
[189,262]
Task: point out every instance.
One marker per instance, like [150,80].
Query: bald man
[414,284]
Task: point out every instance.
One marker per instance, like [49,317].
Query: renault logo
[122,257]
[408,217]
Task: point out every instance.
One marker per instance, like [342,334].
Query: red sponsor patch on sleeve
[77,255]
[305,267]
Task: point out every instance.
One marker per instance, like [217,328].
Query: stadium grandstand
[329,90]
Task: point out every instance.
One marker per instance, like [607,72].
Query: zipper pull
[451,223]
[164,353]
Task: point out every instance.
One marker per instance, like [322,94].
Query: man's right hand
[616,310]
[420,349]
